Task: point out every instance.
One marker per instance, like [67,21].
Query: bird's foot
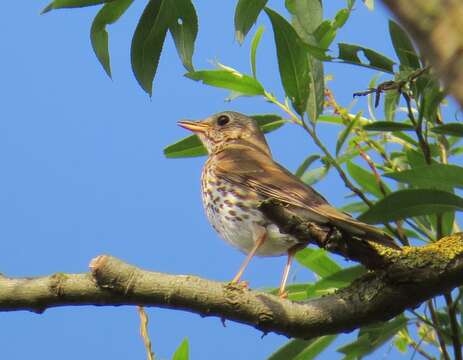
[241,285]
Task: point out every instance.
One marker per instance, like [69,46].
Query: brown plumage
[240,173]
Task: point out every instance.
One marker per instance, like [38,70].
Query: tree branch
[412,276]
[436,27]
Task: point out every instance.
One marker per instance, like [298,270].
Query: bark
[437,28]
[410,277]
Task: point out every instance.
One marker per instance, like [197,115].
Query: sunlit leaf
[407,203]
[434,175]
[148,40]
[246,14]
[306,16]
[403,46]
[349,53]
[327,30]
[189,146]
[108,14]
[184,29]
[318,261]
[370,4]
[313,176]
[331,119]
[244,84]
[254,44]
[182,352]
[292,61]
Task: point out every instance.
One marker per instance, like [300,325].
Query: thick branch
[437,28]
[412,276]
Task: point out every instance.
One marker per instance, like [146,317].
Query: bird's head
[226,128]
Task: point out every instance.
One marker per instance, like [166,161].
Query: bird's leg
[259,234]
[291,252]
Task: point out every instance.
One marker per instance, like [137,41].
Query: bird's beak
[194,126]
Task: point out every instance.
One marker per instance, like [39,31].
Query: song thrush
[240,173]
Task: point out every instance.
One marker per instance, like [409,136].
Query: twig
[144,332]
[454,326]
[440,338]
[400,232]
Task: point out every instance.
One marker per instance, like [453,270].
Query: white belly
[235,223]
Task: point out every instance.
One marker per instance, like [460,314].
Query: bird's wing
[247,168]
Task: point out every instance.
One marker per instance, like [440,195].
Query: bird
[240,173]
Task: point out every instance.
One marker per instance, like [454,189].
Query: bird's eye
[223,120]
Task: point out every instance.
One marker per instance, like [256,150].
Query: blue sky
[83,174]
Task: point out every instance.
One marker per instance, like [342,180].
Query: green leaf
[337,280]
[344,134]
[182,352]
[434,175]
[372,337]
[231,80]
[191,146]
[349,53]
[391,101]
[315,175]
[388,126]
[327,30]
[296,292]
[148,40]
[298,349]
[355,207]
[403,204]
[306,164]
[415,158]
[184,29]
[432,96]
[269,122]
[246,14]
[331,119]
[306,16]
[108,14]
[318,261]
[454,129]
[365,179]
[292,61]
[403,46]
[254,44]
[63,4]
[370,4]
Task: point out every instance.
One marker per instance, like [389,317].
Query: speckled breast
[233,213]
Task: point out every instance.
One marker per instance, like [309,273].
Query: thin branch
[436,27]
[454,326]
[440,338]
